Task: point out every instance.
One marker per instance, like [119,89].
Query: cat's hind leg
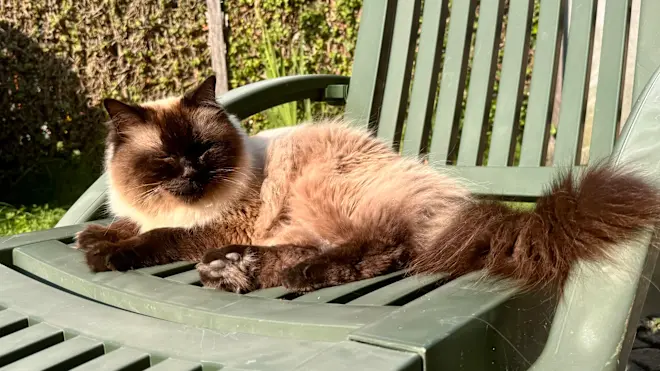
[244,268]
[344,264]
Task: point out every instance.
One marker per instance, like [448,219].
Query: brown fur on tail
[575,220]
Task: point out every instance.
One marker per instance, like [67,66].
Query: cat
[325,203]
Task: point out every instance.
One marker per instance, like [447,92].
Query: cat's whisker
[230,181]
[142,197]
[238,171]
[143,186]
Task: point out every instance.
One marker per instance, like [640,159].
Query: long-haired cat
[324,204]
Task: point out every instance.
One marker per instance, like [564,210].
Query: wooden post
[216,21]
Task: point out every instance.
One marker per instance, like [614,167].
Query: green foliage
[14,221]
[285,114]
[307,36]
[59,59]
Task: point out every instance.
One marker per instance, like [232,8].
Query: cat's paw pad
[230,268]
[305,277]
[93,235]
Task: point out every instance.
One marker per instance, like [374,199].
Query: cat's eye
[165,157]
[204,155]
[206,146]
[205,149]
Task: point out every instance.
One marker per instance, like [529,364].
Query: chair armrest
[88,205]
[253,98]
[639,142]
[243,102]
[596,319]
[65,233]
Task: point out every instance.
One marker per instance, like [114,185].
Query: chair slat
[610,75]
[11,321]
[575,83]
[176,365]
[484,64]
[395,97]
[370,62]
[123,359]
[270,293]
[23,343]
[648,45]
[398,290]
[542,88]
[63,356]
[427,68]
[512,82]
[166,269]
[343,293]
[448,110]
[506,181]
[187,278]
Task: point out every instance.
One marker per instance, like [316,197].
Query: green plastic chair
[56,314]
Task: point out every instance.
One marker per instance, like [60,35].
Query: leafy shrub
[13,221]
[307,36]
[59,59]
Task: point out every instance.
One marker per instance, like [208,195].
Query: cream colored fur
[339,184]
[169,212]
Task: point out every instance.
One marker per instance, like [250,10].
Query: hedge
[59,59]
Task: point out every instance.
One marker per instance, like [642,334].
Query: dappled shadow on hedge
[50,137]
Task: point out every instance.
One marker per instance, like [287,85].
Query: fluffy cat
[325,204]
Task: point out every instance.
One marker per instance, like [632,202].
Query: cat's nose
[188,172]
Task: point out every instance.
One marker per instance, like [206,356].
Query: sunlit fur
[173,128]
[325,203]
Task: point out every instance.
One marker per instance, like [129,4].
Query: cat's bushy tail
[577,219]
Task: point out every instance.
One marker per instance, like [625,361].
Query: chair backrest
[426,74]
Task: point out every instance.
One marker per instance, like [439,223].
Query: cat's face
[179,151]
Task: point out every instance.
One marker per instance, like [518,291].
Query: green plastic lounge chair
[55,314]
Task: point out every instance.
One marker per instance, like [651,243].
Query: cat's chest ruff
[178,217]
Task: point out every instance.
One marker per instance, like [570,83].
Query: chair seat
[360,320]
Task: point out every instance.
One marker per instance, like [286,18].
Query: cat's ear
[203,95]
[123,115]
[123,111]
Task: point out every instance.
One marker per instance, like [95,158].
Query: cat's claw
[230,268]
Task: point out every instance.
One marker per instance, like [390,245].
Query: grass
[26,219]
[285,114]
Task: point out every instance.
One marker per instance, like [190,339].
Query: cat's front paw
[94,234]
[102,250]
[106,256]
[231,268]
